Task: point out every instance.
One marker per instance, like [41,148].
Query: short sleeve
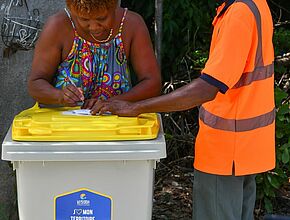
[230,47]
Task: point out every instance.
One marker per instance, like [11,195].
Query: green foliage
[198,58]
[270,182]
[186,28]
[186,31]
[282,42]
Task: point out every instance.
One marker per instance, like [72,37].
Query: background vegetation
[185,45]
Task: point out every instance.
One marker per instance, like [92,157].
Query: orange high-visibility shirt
[237,128]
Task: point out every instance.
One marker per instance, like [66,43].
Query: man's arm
[195,93]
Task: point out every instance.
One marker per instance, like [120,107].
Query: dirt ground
[173,193]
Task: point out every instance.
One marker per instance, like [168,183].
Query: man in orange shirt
[237,113]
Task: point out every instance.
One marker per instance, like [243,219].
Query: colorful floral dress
[100,69]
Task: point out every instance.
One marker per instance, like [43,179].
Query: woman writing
[83,54]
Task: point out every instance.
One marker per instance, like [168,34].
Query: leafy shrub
[270,182]
[186,28]
[281,41]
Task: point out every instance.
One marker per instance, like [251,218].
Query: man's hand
[116,107]
[89,103]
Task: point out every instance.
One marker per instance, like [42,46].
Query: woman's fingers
[72,95]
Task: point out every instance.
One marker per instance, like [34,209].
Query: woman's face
[98,23]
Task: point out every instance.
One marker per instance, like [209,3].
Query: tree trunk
[158,29]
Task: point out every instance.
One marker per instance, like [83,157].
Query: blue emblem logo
[83,196]
[83,204]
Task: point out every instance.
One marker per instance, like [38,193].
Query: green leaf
[259,178]
[267,188]
[273,181]
[268,205]
[279,134]
[284,109]
[278,156]
[281,117]
[168,136]
[284,146]
[285,156]
[279,96]
[280,69]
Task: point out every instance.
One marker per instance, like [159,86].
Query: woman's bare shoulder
[135,20]
[56,30]
[58,23]
[134,26]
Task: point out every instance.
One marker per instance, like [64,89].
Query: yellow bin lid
[52,124]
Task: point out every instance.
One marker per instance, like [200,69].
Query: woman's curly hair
[89,6]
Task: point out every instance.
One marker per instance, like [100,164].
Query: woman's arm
[47,57]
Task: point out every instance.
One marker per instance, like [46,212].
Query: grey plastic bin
[85,180]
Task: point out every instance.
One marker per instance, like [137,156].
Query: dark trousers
[217,197]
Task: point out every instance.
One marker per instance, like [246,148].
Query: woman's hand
[71,95]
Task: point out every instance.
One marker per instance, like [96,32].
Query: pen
[72,82]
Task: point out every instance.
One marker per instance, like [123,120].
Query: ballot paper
[78,112]
[82,112]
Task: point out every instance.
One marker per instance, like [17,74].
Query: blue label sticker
[83,204]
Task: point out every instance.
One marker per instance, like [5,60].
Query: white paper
[82,112]
[78,112]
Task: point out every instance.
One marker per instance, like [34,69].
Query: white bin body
[122,170]
[129,183]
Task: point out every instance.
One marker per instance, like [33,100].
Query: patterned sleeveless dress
[100,69]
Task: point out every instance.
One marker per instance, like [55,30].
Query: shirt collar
[228,3]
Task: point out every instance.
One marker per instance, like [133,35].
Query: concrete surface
[14,98]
